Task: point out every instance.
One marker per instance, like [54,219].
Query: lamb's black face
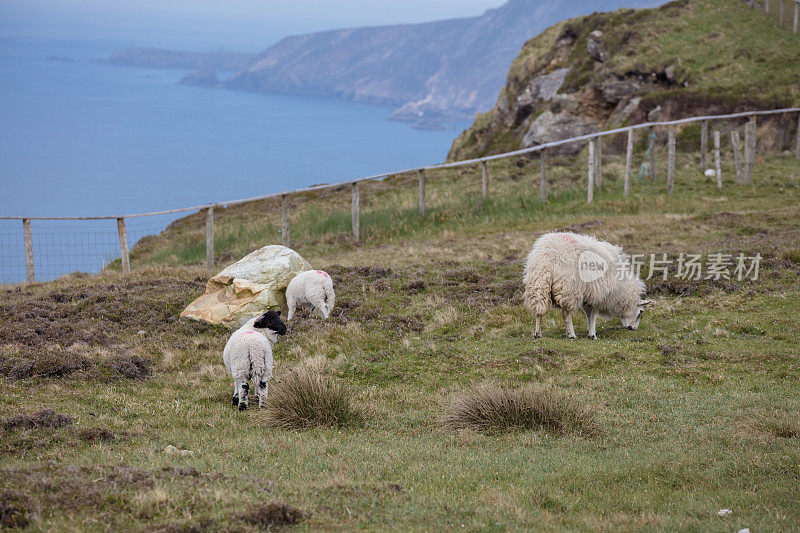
[271,320]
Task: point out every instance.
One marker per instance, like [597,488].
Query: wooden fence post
[356,212]
[598,163]
[797,142]
[210,237]
[628,162]
[766,6]
[748,153]
[737,156]
[652,135]
[780,13]
[542,177]
[484,179]
[590,184]
[285,219]
[753,150]
[421,176]
[26,230]
[716,159]
[670,160]
[703,145]
[796,16]
[123,245]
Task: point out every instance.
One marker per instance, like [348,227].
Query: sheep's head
[634,313]
[271,320]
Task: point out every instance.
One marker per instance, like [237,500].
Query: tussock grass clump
[305,398]
[490,409]
[274,515]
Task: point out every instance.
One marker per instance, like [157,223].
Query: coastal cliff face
[607,70]
[176,59]
[445,69]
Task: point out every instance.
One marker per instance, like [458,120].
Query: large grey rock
[249,287]
[623,112]
[543,88]
[616,90]
[549,127]
[597,50]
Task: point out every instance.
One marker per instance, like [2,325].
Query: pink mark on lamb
[323,274]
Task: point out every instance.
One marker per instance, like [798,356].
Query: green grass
[695,411]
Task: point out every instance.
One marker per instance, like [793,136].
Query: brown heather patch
[274,515]
[494,409]
[16,510]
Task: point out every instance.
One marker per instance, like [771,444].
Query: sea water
[80,137]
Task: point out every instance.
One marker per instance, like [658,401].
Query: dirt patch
[414,322]
[94,435]
[198,526]
[46,418]
[580,227]
[275,515]
[685,287]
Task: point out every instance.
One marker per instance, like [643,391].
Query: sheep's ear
[279,313]
[644,303]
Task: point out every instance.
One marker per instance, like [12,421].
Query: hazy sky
[249,24]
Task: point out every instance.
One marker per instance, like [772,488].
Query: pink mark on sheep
[568,237]
[323,274]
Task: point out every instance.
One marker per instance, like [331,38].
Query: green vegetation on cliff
[687,57]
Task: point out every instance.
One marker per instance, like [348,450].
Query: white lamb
[248,355]
[575,272]
[312,288]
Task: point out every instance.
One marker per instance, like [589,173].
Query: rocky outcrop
[549,127]
[607,70]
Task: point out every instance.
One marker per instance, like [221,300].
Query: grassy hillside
[688,57]
[694,412]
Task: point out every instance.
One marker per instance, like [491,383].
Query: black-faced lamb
[248,355]
[573,272]
[312,288]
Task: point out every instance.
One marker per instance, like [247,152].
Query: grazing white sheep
[311,288]
[573,272]
[248,355]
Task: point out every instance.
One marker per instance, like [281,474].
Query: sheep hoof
[243,407]
[571,337]
[235,401]
[593,337]
[537,335]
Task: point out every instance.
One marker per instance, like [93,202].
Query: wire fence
[45,249]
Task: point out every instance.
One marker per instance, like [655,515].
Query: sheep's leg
[235,399]
[537,332]
[591,317]
[291,306]
[244,391]
[262,388]
[568,323]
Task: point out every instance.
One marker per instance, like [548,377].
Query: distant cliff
[175,59]
[607,70]
[447,69]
